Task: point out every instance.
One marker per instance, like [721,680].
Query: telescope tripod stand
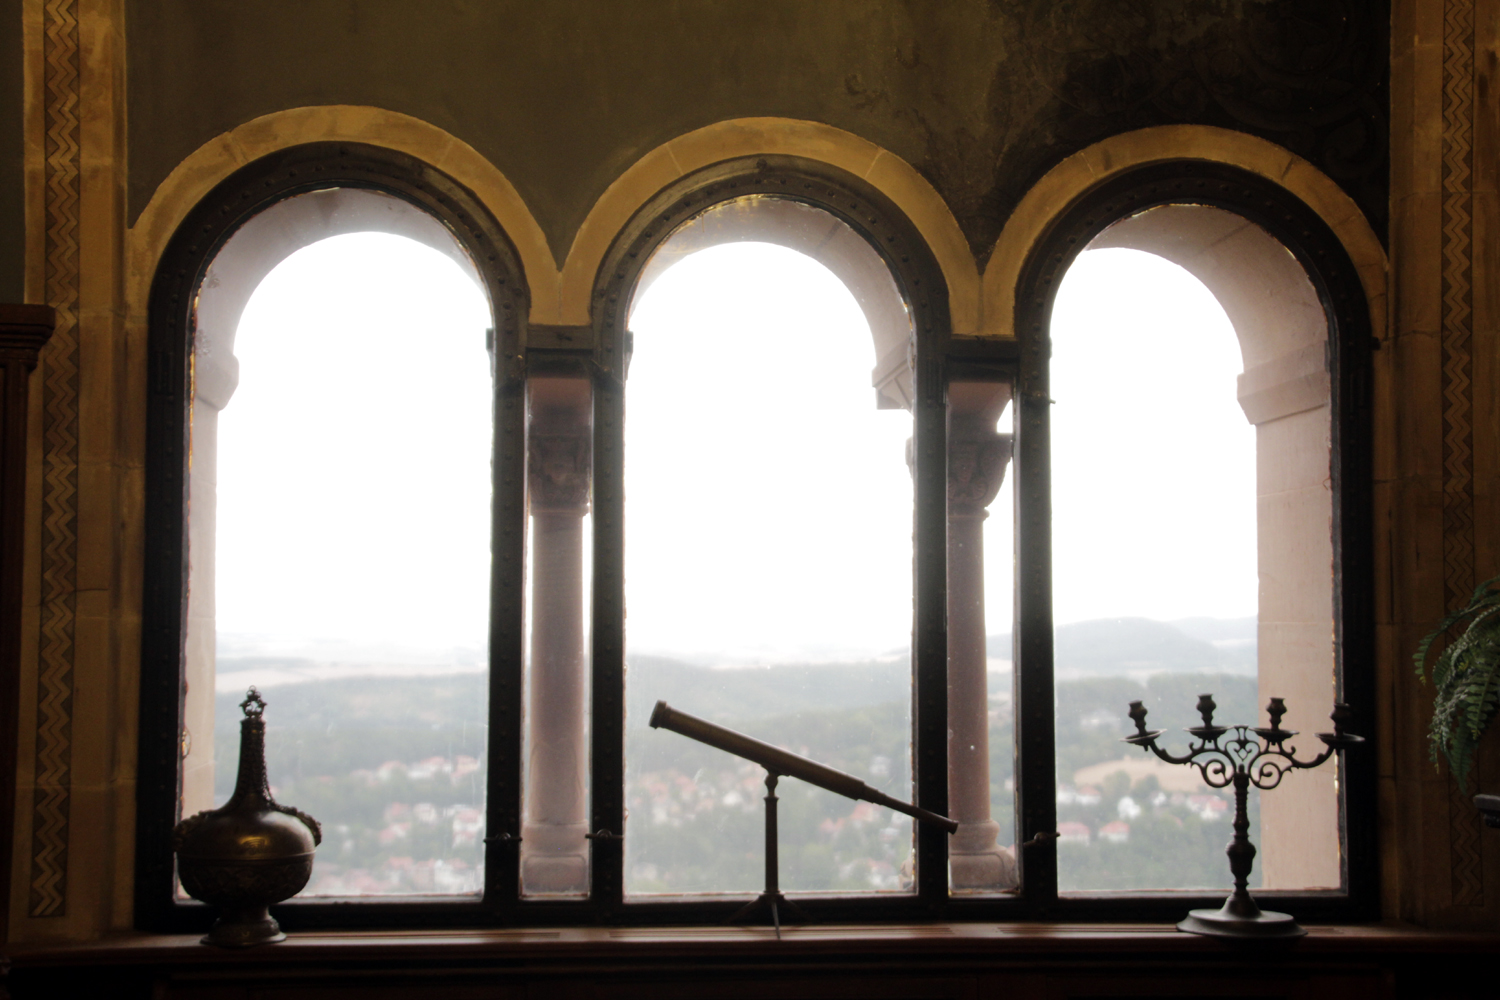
[771,899]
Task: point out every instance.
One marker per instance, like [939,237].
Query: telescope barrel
[785,762]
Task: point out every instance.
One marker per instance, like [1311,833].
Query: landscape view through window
[1155,582]
[768,569]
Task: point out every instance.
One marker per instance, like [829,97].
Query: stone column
[216,376]
[554,852]
[977,458]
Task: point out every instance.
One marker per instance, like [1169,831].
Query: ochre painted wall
[982,97]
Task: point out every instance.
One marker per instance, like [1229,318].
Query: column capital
[976,469]
[558,467]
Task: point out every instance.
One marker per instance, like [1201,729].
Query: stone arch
[1110,158]
[213,162]
[262,243]
[832,243]
[739,138]
[558,296]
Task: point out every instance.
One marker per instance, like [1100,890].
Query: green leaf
[1466,679]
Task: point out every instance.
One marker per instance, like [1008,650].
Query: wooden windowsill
[569,945]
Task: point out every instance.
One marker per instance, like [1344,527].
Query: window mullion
[607,747]
[507,632]
[929,632]
[1032,677]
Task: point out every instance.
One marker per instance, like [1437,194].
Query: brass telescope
[783,762]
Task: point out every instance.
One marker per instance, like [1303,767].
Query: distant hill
[1219,630]
[758,692]
[1139,647]
[360,722]
[348,722]
[363,703]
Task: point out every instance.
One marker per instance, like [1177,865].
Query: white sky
[769,505]
[354,458]
[1153,461]
[769,501]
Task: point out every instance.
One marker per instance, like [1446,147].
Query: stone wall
[982,98]
[1438,439]
[984,106]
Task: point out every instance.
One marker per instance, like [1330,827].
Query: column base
[560,876]
[554,860]
[976,861]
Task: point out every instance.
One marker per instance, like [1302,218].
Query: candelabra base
[1236,920]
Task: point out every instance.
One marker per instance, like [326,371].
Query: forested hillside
[395,768]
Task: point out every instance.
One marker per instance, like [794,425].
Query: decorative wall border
[60,385]
[1467,870]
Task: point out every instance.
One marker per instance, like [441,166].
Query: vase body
[250,852]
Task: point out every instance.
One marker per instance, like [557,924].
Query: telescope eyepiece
[658,714]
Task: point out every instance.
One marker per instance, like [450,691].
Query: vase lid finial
[254,704]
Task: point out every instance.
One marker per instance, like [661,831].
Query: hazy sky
[1153,461]
[354,482]
[769,503]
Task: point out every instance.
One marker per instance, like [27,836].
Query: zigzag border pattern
[59,363]
[1467,872]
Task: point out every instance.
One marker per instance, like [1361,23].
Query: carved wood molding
[60,382]
[24,331]
[1457,385]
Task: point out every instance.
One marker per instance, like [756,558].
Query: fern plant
[1466,675]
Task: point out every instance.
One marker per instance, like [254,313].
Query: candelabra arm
[1146,738]
[1186,758]
[1334,741]
[1319,759]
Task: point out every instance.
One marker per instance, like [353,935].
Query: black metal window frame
[1350,343]
[938,358]
[203,233]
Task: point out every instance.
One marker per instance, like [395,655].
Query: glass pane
[768,573]
[347,575]
[1000,610]
[1164,579]
[554,850]
[981,560]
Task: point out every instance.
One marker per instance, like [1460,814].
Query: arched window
[816,503]
[327,444]
[1192,547]
[768,549]
[1263,412]
[339,534]
[770,588]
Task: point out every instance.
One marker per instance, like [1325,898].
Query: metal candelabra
[1229,755]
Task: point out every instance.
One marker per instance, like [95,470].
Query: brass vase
[250,852]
